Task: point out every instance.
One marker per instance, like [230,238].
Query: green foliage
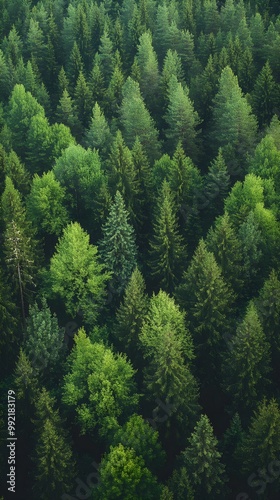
[265,96]
[54,464]
[138,435]
[76,275]
[46,204]
[234,126]
[98,135]
[203,461]
[181,118]
[117,248]
[168,348]
[167,248]
[123,475]
[79,171]
[247,362]
[131,313]
[262,437]
[99,386]
[43,340]
[208,299]
[22,107]
[144,127]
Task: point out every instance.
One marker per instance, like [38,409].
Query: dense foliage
[140,235]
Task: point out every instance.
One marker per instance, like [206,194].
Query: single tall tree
[117,248]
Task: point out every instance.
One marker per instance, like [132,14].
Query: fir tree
[203,461]
[167,248]
[247,362]
[130,315]
[118,248]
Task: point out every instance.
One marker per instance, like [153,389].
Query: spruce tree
[261,444]
[83,100]
[117,248]
[167,249]
[98,135]
[168,348]
[54,464]
[182,119]
[234,125]
[144,127]
[130,315]
[149,73]
[122,175]
[203,461]
[208,299]
[265,96]
[222,240]
[43,340]
[247,362]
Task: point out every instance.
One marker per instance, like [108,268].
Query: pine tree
[43,342]
[182,119]
[53,455]
[22,107]
[217,185]
[114,92]
[167,248]
[122,175]
[265,96]
[223,241]
[144,127]
[98,135]
[75,65]
[83,100]
[130,315]
[261,445]
[208,300]
[19,243]
[234,126]
[66,112]
[168,347]
[149,73]
[268,307]
[118,248]
[106,57]
[203,461]
[96,82]
[247,362]
[172,65]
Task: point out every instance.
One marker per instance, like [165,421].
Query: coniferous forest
[139,249]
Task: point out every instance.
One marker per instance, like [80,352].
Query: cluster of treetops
[140,190]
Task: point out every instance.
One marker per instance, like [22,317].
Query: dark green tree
[265,96]
[208,300]
[98,135]
[167,249]
[43,340]
[54,463]
[203,461]
[117,248]
[130,315]
[182,119]
[144,127]
[247,363]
